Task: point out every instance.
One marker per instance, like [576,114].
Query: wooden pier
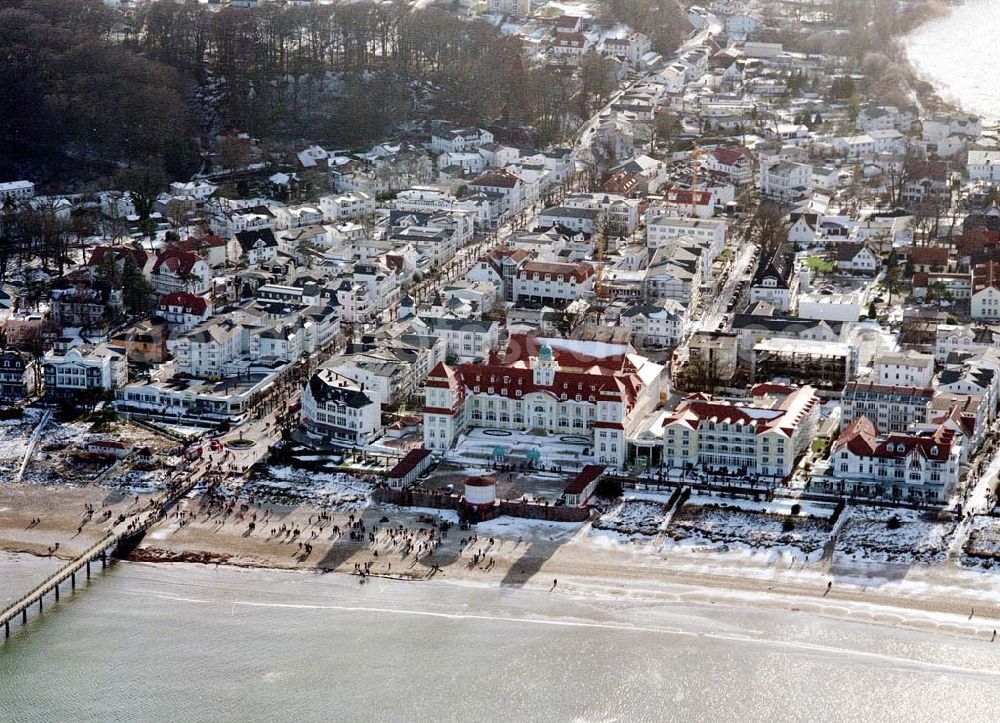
[119,541]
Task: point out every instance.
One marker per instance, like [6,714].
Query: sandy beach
[528,554]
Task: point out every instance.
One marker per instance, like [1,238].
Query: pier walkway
[120,538]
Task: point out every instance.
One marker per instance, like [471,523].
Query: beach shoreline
[566,558]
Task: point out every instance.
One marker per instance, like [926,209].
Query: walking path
[31,444]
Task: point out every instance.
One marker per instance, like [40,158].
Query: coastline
[940,599]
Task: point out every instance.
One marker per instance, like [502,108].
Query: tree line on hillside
[94,86]
[73,98]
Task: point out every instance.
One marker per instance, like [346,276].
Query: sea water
[198,643]
[957,54]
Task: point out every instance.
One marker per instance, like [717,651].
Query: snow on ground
[14,436]
[919,537]
[185,432]
[557,450]
[138,480]
[566,7]
[288,485]
[526,528]
[983,546]
[633,517]
[778,506]
[724,525]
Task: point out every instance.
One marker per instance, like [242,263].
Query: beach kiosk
[479,499]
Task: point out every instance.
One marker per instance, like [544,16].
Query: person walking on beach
[554,583]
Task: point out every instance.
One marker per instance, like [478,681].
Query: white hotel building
[763,438]
[546,386]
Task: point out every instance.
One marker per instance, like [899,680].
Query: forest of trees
[74,100]
[89,88]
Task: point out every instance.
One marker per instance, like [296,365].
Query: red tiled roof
[574,39]
[936,447]
[588,474]
[408,463]
[729,156]
[119,253]
[687,197]
[985,276]
[760,390]
[934,170]
[176,261]
[580,272]
[496,179]
[929,255]
[196,244]
[860,437]
[191,303]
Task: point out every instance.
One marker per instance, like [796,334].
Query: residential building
[677,271]
[20,375]
[786,180]
[145,342]
[505,188]
[804,228]
[891,408]
[16,192]
[911,467]
[753,328]
[776,282]
[258,245]
[176,270]
[656,326]
[984,165]
[985,302]
[549,283]
[347,206]
[904,369]
[582,220]
[661,229]
[183,311]
[858,258]
[618,215]
[568,47]
[466,338]
[499,268]
[459,140]
[83,370]
[734,164]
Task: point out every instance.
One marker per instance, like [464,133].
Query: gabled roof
[730,156]
[191,303]
[175,261]
[848,250]
[777,266]
[119,253]
[257,238]
[860,437]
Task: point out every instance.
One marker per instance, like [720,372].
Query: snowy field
[14,435]
[868,534]
[564,451]
[633,517]
[289,486]
[724,525]
[983,546]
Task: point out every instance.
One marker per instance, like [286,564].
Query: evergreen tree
[136,289]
